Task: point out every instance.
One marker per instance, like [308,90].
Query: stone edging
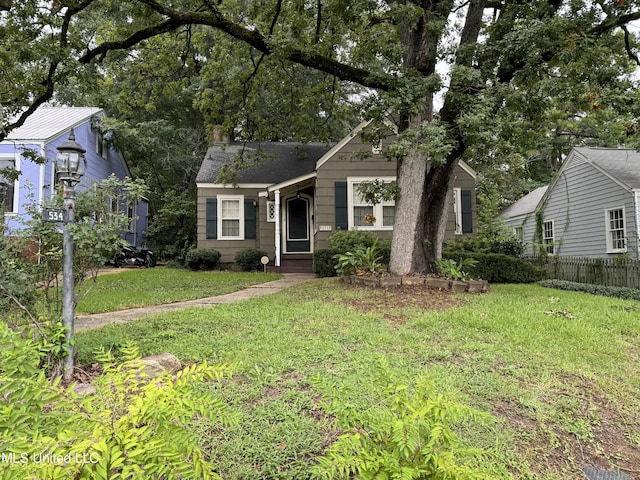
[456,286]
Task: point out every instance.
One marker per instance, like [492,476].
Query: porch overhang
[290,182]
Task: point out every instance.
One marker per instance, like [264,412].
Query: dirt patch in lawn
[393,302]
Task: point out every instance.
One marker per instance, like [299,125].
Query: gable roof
[524,205]
[621,164]
[268,162]
[47,123]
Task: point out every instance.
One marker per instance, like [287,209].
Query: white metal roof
[46,123]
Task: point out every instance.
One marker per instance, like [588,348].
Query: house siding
[228,248]
[577,205]
[342,165]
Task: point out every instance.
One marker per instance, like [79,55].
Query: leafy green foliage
[456,270]
[324,262]
[494,242]
[202,259]
[130,428]
[248,259]
[411,435]
[348,240]
[361,260]
[607,291]
[499,268]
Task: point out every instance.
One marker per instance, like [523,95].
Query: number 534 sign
[54,215]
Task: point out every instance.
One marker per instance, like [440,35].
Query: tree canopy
[524,81]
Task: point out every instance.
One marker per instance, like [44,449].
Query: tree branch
[252,37]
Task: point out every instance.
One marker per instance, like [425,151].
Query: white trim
[377,209]
[307,199]
[350,136]
[291,181]
[465,166]
[240,200]
[608,230]
[278,226]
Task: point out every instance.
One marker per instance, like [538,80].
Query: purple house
[45,130]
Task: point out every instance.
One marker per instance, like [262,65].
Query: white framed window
[547,237]
[376,148]
[615,226]
[365,216]
[519,233]
[271,211]
[230,217]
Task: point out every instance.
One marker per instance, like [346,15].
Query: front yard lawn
[557,370]
[154,286]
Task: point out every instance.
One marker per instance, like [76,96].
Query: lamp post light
[71,164]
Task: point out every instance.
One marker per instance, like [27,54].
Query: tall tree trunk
[407,245]
[438,189]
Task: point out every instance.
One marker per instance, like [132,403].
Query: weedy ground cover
[556,370]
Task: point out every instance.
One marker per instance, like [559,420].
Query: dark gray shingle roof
[621,163]
[524,205]
[266,163]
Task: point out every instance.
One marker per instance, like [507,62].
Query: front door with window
[298,231]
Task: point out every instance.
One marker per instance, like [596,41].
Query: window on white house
[519,233]
[230,218]
[364,215]
[547,237]
[616,242]
[8,201]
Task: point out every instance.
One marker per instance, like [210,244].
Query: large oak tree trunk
[407,246]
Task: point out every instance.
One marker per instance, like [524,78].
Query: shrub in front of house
[344,241]
[500,268]
[324,263]
[202,259]
[501,243]
[248,259]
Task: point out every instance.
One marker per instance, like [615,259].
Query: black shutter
[249,219]
[212,218]
[467,215]
[342,214]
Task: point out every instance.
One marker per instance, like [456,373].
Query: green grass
[553,367]
[155,286]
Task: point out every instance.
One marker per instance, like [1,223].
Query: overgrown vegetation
[130,428]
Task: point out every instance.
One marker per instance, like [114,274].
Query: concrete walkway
[87,322]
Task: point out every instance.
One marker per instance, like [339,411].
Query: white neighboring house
[591,209]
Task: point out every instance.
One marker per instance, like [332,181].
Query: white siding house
[591,209]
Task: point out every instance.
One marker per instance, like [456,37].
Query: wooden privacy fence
[614,272]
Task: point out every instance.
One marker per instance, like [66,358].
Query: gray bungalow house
[591,209]
[290,197]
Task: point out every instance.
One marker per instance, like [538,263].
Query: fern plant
[362,259]
[410,436]
[130,428]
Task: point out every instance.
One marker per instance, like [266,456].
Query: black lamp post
[71,164]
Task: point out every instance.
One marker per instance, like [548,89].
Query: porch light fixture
[71,164]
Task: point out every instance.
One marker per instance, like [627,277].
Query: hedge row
[617,292]
[500,268]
